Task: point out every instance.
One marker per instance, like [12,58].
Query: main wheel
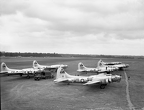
[102,86]
[38,79]
[20,75]
[120,69]
[35,78]
[28,76]
[52,76]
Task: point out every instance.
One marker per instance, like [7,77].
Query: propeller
[110,80]
[107,80]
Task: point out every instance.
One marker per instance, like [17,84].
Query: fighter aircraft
[27,71]
[98,69]
[51,67]
[117,66]
[111,63]
[101,79]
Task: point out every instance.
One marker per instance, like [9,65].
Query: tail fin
[61,73]
[4,67]
[100,63]
[81,66]
[35,64]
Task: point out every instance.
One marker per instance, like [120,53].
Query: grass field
[20,93]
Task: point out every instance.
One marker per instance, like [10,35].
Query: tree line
[35,54]
[28,54]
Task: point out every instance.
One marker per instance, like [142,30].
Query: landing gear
[55,70]
[37,78]
[102,86]
[28,76]
[20,75]
[121,69]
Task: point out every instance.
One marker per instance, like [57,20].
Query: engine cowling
[116,78]
[105,81]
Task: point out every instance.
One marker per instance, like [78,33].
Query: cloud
[83,26]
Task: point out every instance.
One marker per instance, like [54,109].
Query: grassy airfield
[20,93]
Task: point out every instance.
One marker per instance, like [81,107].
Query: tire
[35,78]
[120,69]
[102,86]
[28,77]
[52,76]
[20,75]
[38,79]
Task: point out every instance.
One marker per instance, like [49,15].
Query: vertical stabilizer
[100,63]
[61,74]
[81,66]
[4,67]
[35,64]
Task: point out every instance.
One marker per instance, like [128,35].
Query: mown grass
[26,94]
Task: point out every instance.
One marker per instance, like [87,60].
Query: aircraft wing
[31,69]
[88,70]
[60,80]
[52,67]
[28,69]
[48,67]
[81,70]
[102,71]
[92,82]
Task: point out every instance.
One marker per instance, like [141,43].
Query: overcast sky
[111,27]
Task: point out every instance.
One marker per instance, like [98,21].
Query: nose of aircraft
[127,65]
[119,78]
[116,78]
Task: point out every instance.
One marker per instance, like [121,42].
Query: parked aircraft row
[102,67]
[98,69]
[101,77]
[29,71]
